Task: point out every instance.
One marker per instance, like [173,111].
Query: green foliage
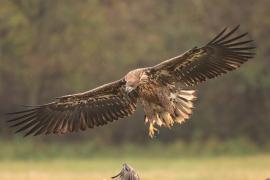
[23,149]
[189,168]
[51,48]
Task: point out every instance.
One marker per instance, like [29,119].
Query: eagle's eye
[126,168]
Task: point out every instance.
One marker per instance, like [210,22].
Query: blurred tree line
[52,48]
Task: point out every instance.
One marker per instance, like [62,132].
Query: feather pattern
[224,53]
[76,112]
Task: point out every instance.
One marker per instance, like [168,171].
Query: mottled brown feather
[224,53]
[76,112]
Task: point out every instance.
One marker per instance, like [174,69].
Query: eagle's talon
[152,130]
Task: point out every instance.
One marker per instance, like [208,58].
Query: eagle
[166,91]
[127,173]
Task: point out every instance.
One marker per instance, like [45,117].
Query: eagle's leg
[150,117]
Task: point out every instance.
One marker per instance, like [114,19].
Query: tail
[184,105]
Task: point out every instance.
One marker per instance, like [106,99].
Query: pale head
[133,79]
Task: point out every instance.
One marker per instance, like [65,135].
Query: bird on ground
[165,91]
[127,173]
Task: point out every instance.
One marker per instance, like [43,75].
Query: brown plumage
[127,173]
[156,88]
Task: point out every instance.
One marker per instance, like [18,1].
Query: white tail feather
[188,104]
[184,104]
[180,110]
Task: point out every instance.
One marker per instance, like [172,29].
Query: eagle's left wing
[77,111]
[224,53]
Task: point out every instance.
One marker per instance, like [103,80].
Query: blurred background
[52,48]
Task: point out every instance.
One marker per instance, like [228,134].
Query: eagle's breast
[148,91]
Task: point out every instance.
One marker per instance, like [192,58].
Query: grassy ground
[202,168]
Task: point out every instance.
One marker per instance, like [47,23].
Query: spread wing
[224,53]
[76,112]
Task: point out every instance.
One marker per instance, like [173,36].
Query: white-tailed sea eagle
[155,88]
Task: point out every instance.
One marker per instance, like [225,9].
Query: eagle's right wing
[77,111]
[224,53]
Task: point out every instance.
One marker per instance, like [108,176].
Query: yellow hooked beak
[129,89]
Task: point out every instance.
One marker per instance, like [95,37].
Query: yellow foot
[152,130]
